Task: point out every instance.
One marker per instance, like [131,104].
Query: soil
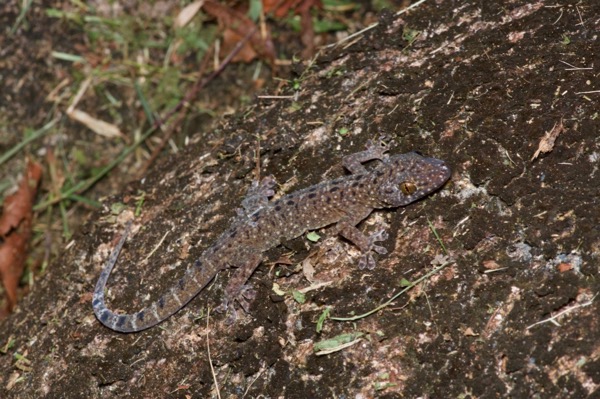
[483,87]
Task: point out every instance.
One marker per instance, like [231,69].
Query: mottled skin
[261,225]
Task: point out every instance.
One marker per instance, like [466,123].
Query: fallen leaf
[468,332]
[96,125]
[230,39]
[283,260]
[303,8]
[547,142]
[308,270]
[242,26]
[188,12]
[564,267]
[282,8]
[491,264]
[15,232]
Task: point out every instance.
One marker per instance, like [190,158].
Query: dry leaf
[468,332]
[188,12]
[230,39]
[547,142]
[308,270]
[564,267]
[282,8]
[242,26]
[15,232]
[491,264]
[99,127]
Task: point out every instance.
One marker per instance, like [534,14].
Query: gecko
[395,181]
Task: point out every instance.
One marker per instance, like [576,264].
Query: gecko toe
[247,292]
[366,262]
[379,249]
[231,316]
[362,263]
[223,307]
[379,235]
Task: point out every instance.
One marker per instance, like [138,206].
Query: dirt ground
[507,94]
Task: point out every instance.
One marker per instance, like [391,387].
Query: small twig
[495,270]
[559,17]
[260,372]
[437,236]
[188,98]
[257,171]
[553,318]
[315,286]
[574,68]
[392,299]
[581,19]
[156,247]
[200,85]
[274,97]
[212,369]
[368,28]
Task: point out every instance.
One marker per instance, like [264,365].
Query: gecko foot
[244,298]
[367,261]
[246,295]
[379,235]
[230,311]
[376,149]
[257,196]
[380,146]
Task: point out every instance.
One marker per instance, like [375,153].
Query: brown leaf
[242,26]
[468,332]
[564,267]
[547,142]
[282,8]
[299,7]
[230,39]
[15,232]
[308,32]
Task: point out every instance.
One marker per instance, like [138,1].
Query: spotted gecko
[261,225]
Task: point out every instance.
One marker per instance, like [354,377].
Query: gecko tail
[172,301]
[121,323]
[125,323]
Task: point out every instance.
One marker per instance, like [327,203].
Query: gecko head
[405,178]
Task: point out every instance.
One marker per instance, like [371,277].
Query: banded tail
[195,279]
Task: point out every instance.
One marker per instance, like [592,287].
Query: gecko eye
[408,187]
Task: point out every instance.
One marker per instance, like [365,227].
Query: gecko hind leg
[237,291]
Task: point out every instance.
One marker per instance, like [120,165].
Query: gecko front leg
[366,244]
[257,196]
[346,227]
[375,150]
